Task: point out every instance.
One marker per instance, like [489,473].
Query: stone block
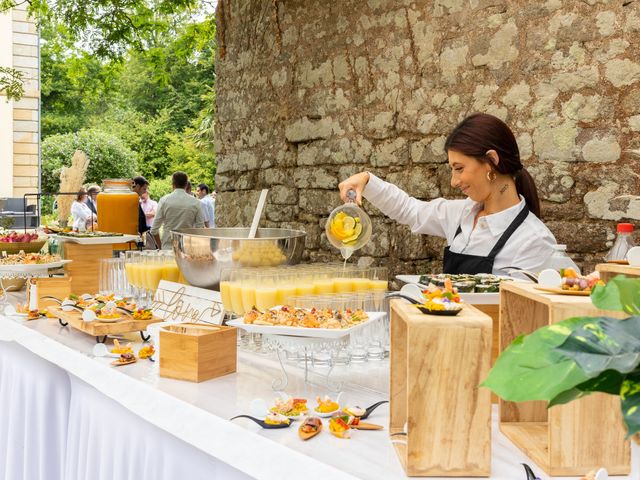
[318,202]
[280,213]
[25,39]
[410,246]
[390,152]
[25,148]
[315,178]
[418,181]
[20,114]
[281,195]
[25,126]
[305,130]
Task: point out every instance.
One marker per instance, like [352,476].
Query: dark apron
[456,263]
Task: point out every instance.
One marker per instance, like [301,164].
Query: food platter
[102,240]
[302,331]
[560,291]
[32,267]
[471,298]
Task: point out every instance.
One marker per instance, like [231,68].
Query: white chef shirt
[529,247]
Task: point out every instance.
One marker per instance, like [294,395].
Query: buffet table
[74,416]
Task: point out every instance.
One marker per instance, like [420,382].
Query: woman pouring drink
[498,225]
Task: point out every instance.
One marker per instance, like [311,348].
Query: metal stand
[145,338]
[305,347]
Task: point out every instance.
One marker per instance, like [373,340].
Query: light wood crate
[197,352]
[437,364]
[610,270]
[569,439]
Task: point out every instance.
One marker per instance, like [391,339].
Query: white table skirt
[55,426]
[34,403]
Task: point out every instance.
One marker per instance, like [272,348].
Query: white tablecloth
[64,414]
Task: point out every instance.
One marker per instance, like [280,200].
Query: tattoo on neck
[504,188]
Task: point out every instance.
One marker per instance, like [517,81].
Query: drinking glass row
[243,289]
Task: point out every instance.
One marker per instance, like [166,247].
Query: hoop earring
[491,176]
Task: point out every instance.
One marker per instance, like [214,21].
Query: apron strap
[508,232]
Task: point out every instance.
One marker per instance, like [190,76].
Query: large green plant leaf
[620,294]
[604,344]
[532,369]
[608,381]
[630,402]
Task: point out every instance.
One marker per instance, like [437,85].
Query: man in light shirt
[176,210]
[149,207]
[207,205]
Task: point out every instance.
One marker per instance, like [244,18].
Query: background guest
[140,185]
[92,199]
[176,210]
[188,188]
[207,205]
[83,217]
[149,207]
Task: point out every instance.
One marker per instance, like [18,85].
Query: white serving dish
[470,298]
[302,331]
[32,267]
[97,240]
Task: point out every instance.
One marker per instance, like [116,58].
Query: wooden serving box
[101,329]
[58,287]
[197,351]
[564,440]
[437,364]
[610,270]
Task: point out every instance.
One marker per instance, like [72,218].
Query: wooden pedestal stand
[610,270]
[437,364]
[85,266]
[569,439]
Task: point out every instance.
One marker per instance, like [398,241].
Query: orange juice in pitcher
[118,207]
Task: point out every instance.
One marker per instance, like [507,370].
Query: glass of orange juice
[235,292]
[266,291]
[379,278]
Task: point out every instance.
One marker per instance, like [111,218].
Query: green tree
[109,157]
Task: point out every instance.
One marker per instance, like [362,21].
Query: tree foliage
[109,157]
[156,95]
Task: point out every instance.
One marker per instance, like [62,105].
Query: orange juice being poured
[348,227]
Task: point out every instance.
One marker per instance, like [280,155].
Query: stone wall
[309,92]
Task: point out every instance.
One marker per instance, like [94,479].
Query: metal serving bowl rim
[294,233]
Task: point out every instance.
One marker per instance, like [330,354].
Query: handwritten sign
[175,302]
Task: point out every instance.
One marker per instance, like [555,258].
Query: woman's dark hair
[81,193]
[481,132]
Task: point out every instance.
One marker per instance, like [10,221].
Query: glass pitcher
[118,207]
[348,227]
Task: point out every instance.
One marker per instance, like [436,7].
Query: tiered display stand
[437,364]
[569,439]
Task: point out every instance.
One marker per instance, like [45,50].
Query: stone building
[309,92]
[19,121]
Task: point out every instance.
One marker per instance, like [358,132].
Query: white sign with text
[175,302]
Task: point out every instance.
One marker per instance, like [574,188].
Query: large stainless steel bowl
[202,253]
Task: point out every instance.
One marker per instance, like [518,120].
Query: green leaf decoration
[630,402]
[604,344]
[608,381]
[531,368]
[620,294]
